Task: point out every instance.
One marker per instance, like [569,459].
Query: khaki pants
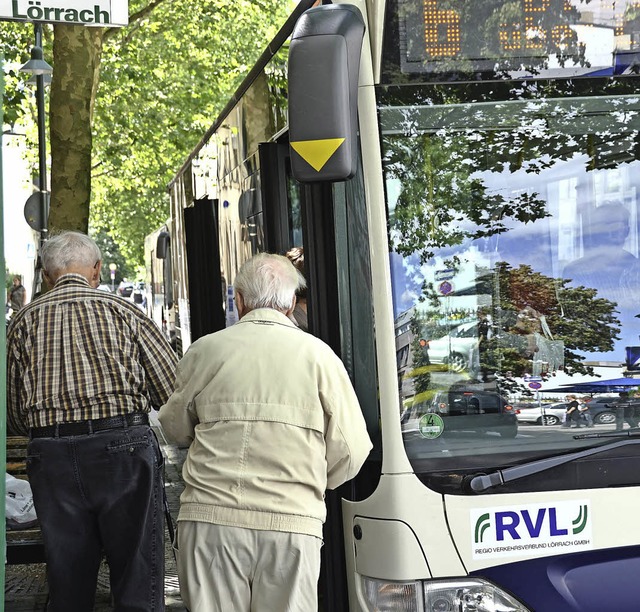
[231,569]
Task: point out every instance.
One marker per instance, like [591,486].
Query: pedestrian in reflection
[625,411]
[572,415]
[84,368]
[584,411]
[268,435]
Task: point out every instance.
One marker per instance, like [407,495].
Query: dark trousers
[94,494]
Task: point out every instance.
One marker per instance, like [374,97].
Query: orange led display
[441,31]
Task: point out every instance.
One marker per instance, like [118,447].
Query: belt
[82,428]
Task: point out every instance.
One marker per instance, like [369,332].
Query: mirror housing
[162,245]
[324,68]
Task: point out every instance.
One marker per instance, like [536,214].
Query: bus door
[301,216]
[329,222]
[206,295]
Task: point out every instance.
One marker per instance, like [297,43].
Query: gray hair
[67,250]
[268,281]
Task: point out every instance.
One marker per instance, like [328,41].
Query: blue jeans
[98,494]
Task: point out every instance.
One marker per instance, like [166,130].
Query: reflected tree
[530,311]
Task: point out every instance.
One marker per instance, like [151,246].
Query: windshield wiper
[633,432]
[482,482]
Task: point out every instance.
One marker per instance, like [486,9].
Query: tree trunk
[76,59]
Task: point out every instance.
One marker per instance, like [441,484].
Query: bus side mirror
[162,245]
[324,67]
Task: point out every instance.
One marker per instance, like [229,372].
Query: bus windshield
[514,239]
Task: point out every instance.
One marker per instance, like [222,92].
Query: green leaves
[163,82]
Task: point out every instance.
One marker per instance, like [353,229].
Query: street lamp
[112,269]
[38,67]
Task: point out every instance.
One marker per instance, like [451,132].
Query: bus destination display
[535,36]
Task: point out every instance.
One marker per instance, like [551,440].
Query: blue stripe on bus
[591,581]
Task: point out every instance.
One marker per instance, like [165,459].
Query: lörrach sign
[76,12]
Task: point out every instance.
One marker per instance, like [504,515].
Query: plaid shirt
[77,353]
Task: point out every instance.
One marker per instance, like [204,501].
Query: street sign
[34,213]
[445,288]
[633,358]
[78,12]
[535,385]
[442,275]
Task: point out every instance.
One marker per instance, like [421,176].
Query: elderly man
[273,421]
[83,370]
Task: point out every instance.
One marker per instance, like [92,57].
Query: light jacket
[272,421]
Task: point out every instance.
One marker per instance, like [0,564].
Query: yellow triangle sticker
[317,152]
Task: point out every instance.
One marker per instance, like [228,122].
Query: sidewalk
[26,585]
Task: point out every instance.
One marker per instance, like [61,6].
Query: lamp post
[38,67]
[112,269]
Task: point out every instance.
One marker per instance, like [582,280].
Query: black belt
[82,428]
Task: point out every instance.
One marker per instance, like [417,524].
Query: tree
[163,80]
[182,76]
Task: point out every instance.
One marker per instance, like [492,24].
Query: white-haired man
[272,421]
[83,370]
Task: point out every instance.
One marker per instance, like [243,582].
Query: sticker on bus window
[431,426]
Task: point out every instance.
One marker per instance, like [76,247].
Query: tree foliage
[129,104]
[163,82]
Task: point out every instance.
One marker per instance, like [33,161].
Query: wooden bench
[23,545]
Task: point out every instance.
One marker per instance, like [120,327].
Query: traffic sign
[34,212]
[445,288]
[535,385]
[442,275]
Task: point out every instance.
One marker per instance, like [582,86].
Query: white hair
[67,250]
[268,281]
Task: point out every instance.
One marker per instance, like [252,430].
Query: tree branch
[134,20]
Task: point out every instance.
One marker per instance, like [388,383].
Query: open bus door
[206,296]
[316,217]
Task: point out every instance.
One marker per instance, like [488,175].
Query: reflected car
[547,414]
[458,349]
[602,411]
[465,410]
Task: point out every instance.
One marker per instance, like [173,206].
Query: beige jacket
[272,421]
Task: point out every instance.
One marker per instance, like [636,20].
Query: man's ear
[293,306]
[240,305]
[95,274]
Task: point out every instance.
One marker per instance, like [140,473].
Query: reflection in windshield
[514,234]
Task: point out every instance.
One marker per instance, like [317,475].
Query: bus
[158,282]
[464,180]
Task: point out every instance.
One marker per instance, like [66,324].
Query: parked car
[125,289]
[602,411]
[458,349]
[553,414]
[466,409]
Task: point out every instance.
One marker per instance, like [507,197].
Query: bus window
[514,240]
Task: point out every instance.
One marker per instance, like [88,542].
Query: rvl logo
[531,529]
[510,522]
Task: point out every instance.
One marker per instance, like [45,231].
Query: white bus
[464,178]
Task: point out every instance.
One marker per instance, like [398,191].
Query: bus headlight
[452,595]
[384,596]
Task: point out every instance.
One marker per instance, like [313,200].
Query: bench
[23,545]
